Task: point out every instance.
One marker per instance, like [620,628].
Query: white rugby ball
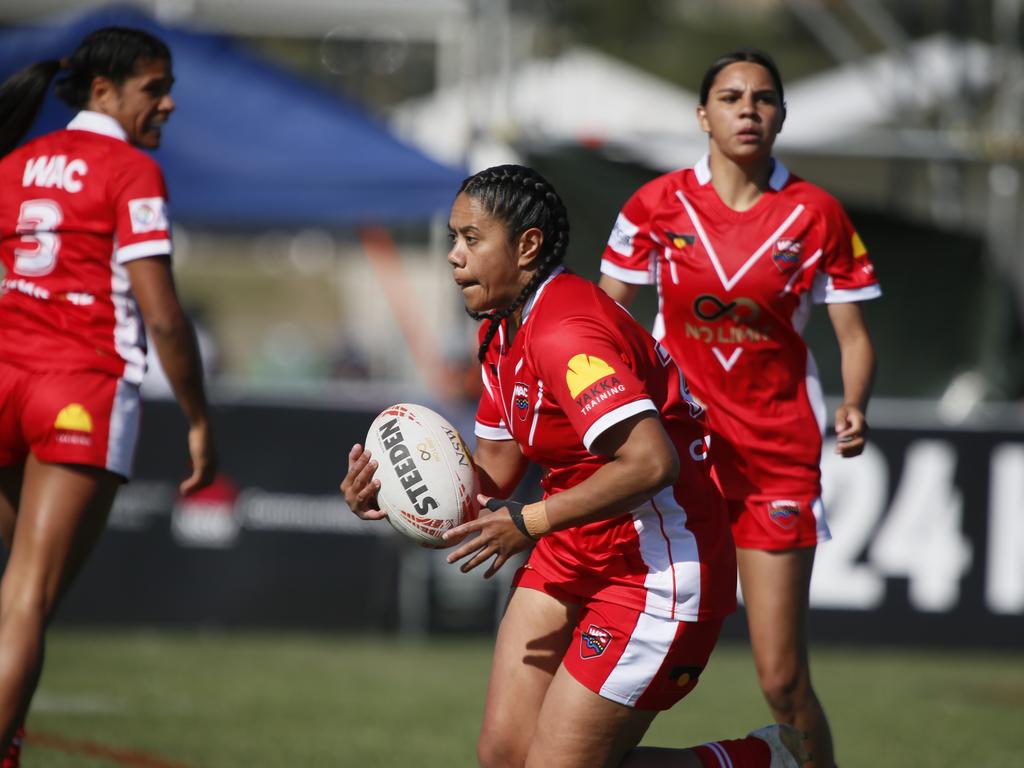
[427,478]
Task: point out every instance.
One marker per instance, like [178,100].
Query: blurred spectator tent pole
[407,310]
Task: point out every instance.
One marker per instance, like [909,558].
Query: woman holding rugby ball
[616,612]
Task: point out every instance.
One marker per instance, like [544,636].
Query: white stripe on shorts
[719,751]
[645,653]
[125,416]
[821,521]
[670,552]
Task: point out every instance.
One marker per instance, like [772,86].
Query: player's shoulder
[567,293]
[664,185]
[811,196]
[38,145]
[129,154]
[569,301]
[114,151]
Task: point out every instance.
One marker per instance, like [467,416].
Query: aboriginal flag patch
[681,241]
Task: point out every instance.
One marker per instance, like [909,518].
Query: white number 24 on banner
[920,536]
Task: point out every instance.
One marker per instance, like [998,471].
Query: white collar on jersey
[97,122]
[536,294]
[778,179]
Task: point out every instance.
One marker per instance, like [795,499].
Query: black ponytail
[112,52]
[521,199]
[21,96]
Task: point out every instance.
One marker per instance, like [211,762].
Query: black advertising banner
[928,539]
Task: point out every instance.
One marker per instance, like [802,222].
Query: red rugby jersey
[77,205]
[578,365]
[735,290]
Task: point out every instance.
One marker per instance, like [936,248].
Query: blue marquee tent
[250,145]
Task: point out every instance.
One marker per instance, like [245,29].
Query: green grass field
[243,699]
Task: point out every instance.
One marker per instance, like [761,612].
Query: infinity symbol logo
[710,308]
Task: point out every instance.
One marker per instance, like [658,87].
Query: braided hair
[111,52]
[521,199]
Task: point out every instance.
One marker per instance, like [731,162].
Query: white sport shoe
[786,744]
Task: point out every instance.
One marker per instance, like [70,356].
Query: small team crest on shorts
[784,513]
[521,399]
[594,641]
[786,253]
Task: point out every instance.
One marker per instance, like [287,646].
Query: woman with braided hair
[615,614]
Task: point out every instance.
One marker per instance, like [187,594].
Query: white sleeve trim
[634,276]
[841,296]
[143,250]
[491,433]
[612,418]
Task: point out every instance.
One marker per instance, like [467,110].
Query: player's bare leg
[775,590]
[61,513]
[532,640]
[10,492]
[577,727]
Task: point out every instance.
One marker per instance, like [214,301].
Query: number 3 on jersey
[38,222]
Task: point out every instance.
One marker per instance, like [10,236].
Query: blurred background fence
[928,547]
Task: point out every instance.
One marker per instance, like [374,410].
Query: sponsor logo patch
[521,399]
[621,238]
[584,370]
[594,641]
[858,246]
[786,254]
[603,390]
[148,214]
[710,308]
[73,417]
[784,513]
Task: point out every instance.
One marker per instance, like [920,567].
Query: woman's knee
[500,749]
[784,685]
[27,595]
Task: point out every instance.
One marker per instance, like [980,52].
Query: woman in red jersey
[740,249]
[616,612]
[86,248]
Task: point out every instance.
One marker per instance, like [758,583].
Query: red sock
[12,758]
[750,752]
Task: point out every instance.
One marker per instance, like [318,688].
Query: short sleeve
[845,272]
[629,255]
[141,219]
[590,375]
